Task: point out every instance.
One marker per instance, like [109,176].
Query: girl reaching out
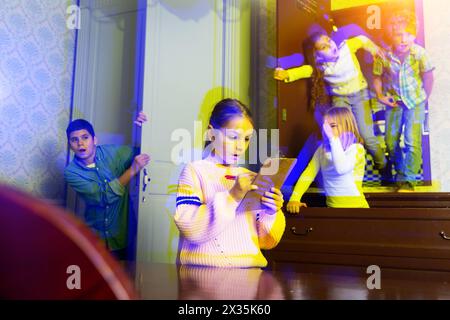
[212,231]
[337,75]
[341,159]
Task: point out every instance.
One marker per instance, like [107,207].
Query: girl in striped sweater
[212,231]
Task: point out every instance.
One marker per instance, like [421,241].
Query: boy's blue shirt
[107,201]
[403,81]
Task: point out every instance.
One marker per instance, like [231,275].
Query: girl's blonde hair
[346,125]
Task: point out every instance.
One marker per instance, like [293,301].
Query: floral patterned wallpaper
[36,62]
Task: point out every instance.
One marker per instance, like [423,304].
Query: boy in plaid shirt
[403,82]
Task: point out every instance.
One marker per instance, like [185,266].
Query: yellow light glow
[346,4]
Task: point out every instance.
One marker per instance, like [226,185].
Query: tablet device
[273,173]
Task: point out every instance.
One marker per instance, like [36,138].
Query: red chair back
[46,252]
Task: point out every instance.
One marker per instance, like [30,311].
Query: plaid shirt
[403,81]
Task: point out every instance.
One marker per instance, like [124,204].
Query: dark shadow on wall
[197,9]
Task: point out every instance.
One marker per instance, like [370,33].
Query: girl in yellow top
[336,68]
[341,158]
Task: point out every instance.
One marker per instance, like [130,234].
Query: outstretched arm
[126,165]
[303,183]
[139,162]
[293,74]
[362,42]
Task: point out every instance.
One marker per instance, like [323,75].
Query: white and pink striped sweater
[212,233]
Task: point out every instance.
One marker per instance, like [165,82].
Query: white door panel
[164,178]
[185,73]
[158,234]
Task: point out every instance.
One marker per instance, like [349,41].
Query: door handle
[443,235]
[305,233]
[145,180]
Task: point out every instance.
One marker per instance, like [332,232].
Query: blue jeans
[406,162]
[359,103]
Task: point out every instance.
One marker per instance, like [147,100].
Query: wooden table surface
[285,282]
